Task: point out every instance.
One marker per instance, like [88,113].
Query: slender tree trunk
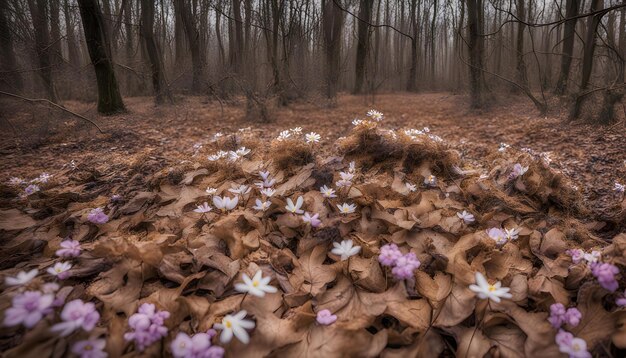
[193,38]
[589,49]
[365,14]
[236,58]
[109,98]
[39,14]
[73,51]
[474,8]
[568,45]
[332,19]
[432,43]
[520,65]
[156,62]
[8,61]
[55,33]
[412,80]
[128,28]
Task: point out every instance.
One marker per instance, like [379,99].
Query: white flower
[352,167]
[593,256]
[511,234]
[343,183]
[264,175]
[284,135]
[493,292]
[211,191]
[356,122]
[346,208]
[243,151]
[497,235]
[268,192]
[267,183]
[233,156]
[503,147]
[328,192]
[241,189]
[345,249]
[204,208]
[257,286]
[377,116]
[430,180]
[411,187]
[59,269]
[295,208]
[43,178]
[15,181]
[237,325]
[577,348]
[466,217]
[262,205]
[22,278]
[619,187]
[346,176]
[225,203]
[312,137]
[297,130]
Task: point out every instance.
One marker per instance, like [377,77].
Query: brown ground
[45,140]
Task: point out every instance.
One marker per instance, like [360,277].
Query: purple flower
[557,312]
[325,317]
[60,270]
[573,346]
[572,317]
[563,338]
[605,274]
[77,314]
[69,248]
[198,346]
[576,254]
[621,299]
[90,348]
[28,308]
[405,265]
[31,189]
[389,254]
[97,216]
[311,219]
[147,326]
[497,235]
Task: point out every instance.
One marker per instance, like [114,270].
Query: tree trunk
[332,18]
[109,98]
[8,63]
[365,15]
[475,45]
[39,14]
[193,38]
[589,49]
[128,27]
[432,43]
[520,65]
[236,56]
[55,33]
[412,80]
[156,63]
[568,46]
[73,51]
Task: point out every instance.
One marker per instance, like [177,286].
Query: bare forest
[304,178]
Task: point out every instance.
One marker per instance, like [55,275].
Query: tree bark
[39,14]
[156,63]
[332,21]
[520,65]
[568,46]
[109,98]
[475,44]
[412,80]
[73,51]
[365,16]
[193,38]
[8,63]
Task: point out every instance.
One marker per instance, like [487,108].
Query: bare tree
[39,14]
[109,98]
[519,56]
[8,61]
[568,45]
[193,39]
[156,66]
[332,20]
[475,44]
[362,47]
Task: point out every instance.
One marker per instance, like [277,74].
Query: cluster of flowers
[31,186]
[501,236]
[402,265]
[147,326]
[604,272]
[232,156]
[376,117]
[568,344]
[197,346]
[414,133]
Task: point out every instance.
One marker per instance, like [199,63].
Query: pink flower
[97,216]
[572,317]
[389,254]
[311,219]
[90,348]
[198,346]
[621,299]
[77,314]
[576,254]
[69,248]
[405,265]
[560,316]
[28,308]
[325,317]
[577,348]
[605,274]
[60,270]
[147,326]
[563,338]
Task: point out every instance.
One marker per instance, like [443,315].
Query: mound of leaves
[408,188]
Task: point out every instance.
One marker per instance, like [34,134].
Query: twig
[35,100]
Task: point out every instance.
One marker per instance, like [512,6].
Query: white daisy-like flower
[235,325]
[267,183]
[511,234]
[239,189]
[233,156]
[357,122]
[328,192]
[346,176]
[295,208]
[22,278]
[466,217]
[410,187]
[43,178]
[214,157]
[346,208]
[345,249]
[225,203]
[376,115]
[268,192]
[211,191]
[593,256]
[264,174]
[498,235]
[312,137]
[59,269]
[262,205]
[493,292]
[257,286]
[204,208]
[284,135]
[243,151]
[619,187]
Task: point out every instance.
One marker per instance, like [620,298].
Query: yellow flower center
[576,347]
[255,283]
[88,347]
[492,288]
[58,270]
[228,324]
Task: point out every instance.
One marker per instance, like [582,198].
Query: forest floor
[593,157]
